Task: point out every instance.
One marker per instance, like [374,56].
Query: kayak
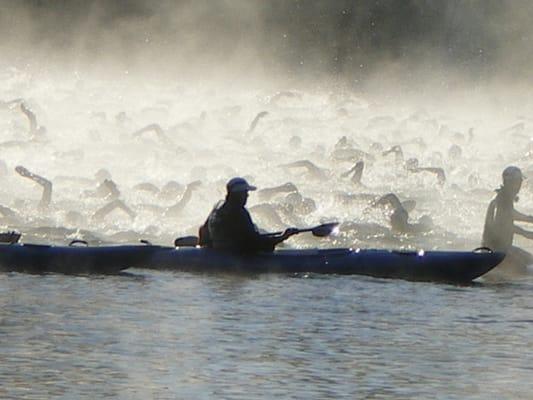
[437,266]
[35,258]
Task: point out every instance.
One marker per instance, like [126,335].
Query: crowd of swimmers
[229,225]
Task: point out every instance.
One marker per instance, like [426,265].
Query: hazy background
[481,40]
[420,74]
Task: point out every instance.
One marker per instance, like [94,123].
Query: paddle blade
[324,230]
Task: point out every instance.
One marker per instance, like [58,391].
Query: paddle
[318,231]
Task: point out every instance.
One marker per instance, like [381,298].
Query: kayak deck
[441,266]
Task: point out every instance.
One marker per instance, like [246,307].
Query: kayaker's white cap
[235,185]
[512,173]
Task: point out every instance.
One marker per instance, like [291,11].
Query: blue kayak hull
[442,266]
[438,266]
[33,258]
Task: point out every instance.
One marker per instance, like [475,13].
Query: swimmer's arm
[151,127]
[397,150]
[357,169]
[8,212]
[391,199]
[518,216]
[254,123]
[46,197]
[31,117]
[441,176]
[268,211]
[109,207]
[285,188]
[160,133]
[308,165]
[523,232]
[185,199]
[108,189]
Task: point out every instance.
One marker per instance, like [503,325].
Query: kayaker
[230,227]
[499,226]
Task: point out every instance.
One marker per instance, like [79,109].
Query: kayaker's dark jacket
[230,227]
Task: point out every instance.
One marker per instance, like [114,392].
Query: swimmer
[500,227]
[397,151]
[46,196]
[256,120]
[411,165]
[269,193]
[116,204]
[399,217]
[312,170]
[159,132]
[178,207]
[35,129]
[356,171]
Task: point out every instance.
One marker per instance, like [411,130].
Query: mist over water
[431,77]
[158,97]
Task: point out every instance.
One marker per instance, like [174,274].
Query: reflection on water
[167,335]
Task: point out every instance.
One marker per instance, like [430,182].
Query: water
[174,335]
[158,335]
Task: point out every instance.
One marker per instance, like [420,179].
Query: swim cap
[512,173]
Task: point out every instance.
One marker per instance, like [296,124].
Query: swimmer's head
[171,189]
[411,163]
[376,147]
[512,178]
[307,206]
[512,174]
[102,174]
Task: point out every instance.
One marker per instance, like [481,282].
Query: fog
[481,39]
[340,82]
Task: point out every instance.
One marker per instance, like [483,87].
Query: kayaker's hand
[290,232]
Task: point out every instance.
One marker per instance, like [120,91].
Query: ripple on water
[169,335]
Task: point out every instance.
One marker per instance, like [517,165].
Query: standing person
[500,220]
[230,227]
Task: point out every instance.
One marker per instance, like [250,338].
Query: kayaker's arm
[275,240]
[204,238]
[255,241]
